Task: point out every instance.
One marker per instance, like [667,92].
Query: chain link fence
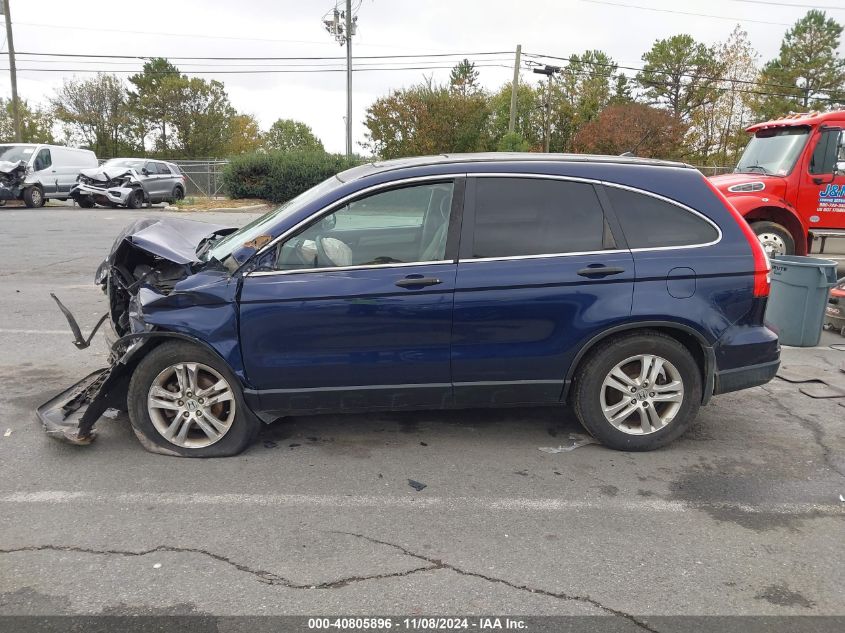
[203,177]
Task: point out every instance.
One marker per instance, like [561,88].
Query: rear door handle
[600,271]
[413,282]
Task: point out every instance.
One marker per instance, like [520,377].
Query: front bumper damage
[70,415]
[102,195]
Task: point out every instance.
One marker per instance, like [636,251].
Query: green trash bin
[798,297]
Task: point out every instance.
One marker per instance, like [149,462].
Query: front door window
[399,226]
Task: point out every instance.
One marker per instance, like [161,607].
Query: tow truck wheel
[33,197]
[184,401]
[776,240]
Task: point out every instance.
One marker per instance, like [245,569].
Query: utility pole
[343,32]
[348,78]
[15,104]
[547,106]
[514,89]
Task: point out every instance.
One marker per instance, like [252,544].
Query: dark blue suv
[630,289]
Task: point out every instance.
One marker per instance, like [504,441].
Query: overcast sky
[282,28]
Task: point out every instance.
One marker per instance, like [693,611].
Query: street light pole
[547,106]
[16,115]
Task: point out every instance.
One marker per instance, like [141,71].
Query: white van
[36,173]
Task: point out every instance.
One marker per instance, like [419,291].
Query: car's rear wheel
[33,197]
[776,240]
[183,400]
[178,194]
[638,391]
[135,199]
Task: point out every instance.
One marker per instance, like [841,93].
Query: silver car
[129,182]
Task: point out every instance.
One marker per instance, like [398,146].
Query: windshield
[14,153]
[774,151]
[227,245]
[124,163]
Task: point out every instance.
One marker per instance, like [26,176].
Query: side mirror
[839,168]
[145,171]
[328,222]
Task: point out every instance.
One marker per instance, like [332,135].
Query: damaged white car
[129,182]
[36,173]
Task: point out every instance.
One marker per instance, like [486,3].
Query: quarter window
[404,225]
[535,216]
[650,222]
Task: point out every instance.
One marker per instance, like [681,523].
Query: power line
[687,75]
[186,66]
[698,15]
[792,4]
[248,72]
[266,58]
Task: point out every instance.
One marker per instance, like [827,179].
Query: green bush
[280,176]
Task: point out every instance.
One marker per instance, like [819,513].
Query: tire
[135,199]
[85,202]
[776,240]
[33,197]
[234,427]
[631,433]
[178,194]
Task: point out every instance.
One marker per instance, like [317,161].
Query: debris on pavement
[416,485]
[827,382]
[576,440]
[822,391]
[157,566]
[842,499]
[7,433]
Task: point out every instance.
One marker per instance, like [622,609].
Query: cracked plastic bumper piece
[116,195]
[70,415]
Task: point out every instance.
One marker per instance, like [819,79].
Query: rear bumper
[745,377]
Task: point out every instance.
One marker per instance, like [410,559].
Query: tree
[288,135]
[464,78]
[36,123]
[680,74]
[632,127]
[204,119]
[578,93]
[427,119]
[528,125]
[717,132]
[622,92]
[512,142]
[94,113]
[245,135]
[155,102]
[808,74]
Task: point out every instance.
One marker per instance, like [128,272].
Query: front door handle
[413,282]
[600,271]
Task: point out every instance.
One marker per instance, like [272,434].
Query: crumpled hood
[8,167]
[173,239]
[97,173]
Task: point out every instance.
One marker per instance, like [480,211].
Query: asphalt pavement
[743,516]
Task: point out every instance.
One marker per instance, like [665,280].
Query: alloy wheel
[642,394]
[191,405]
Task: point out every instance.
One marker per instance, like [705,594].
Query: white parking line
[15,331]
[422,502]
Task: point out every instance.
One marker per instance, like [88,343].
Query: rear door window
[162,169]
[650,222]
[535,216]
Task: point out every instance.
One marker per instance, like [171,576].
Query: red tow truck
[789,183]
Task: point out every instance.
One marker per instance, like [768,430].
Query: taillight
[762,265]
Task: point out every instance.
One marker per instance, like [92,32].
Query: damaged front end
[97,186]
[153,265]
[12,177]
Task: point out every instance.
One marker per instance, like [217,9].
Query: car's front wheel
[638,391]
[183,400]
[33,197]
[135,199]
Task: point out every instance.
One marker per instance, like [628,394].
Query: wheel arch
[786,218]
[689,337]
